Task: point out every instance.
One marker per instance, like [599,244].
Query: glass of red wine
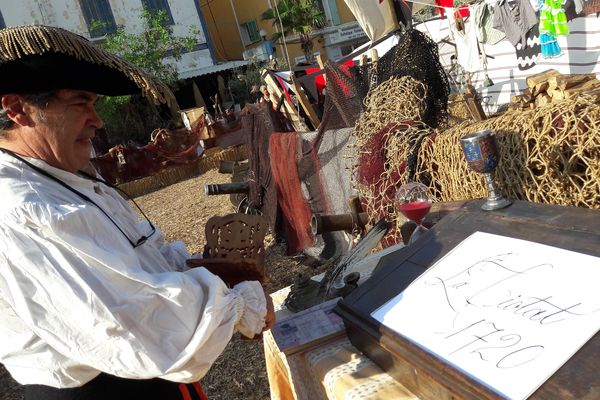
[414,202]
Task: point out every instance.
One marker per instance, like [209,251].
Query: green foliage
[244,79]
[149,49]
[251,77]
[129,118]
[301,17]
[133,117]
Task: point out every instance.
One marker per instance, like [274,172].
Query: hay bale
[178,173]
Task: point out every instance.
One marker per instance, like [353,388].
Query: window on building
[98,17]
[250,32]
[329,8]
[160,5]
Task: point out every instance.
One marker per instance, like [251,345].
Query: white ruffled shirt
[76,298]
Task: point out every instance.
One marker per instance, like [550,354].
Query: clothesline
[443,7]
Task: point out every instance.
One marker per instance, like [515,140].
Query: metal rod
[226,188]
[340,222]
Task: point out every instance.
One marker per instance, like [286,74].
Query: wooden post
[303,100]
[363,60]
[321,59]
[372,71]
[289,108]
[374,55]
[473,105]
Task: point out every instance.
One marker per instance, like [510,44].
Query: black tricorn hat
[38,58]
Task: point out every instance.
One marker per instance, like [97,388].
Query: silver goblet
[482,156]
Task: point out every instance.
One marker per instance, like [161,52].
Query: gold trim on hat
[17,42]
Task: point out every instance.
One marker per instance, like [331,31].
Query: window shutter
[160,5]
[98,11]
[253,31]
[333,11]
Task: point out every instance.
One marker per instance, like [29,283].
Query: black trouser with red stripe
[108,387]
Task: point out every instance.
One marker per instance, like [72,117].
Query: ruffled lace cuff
[251,308]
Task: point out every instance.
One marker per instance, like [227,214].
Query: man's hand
[270,317]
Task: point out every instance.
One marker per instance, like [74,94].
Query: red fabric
[463,10]
[371,167]
[184,392]
[199,391]
[294,207]
[283,86]
[320,79]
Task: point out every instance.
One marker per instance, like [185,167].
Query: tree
[133,117]
[150,49]
[301,17]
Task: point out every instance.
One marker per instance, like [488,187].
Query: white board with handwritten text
[507,312]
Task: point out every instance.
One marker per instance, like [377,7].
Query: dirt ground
[181,211]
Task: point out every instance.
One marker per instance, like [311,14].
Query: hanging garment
[578,7]
[486,33]
[467,46]
[571,7]
[553,20]
[515,18]
[528,54]
[549,44]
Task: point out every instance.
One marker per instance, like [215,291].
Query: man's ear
[17,110]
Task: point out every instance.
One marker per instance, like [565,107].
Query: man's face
[64,129]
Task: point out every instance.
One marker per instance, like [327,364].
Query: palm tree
[301,17]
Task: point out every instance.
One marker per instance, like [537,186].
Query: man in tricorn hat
[94,304]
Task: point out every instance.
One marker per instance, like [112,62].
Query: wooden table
[332,370]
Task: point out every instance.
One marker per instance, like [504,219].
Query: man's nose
[95,120]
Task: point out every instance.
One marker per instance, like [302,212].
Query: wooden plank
[542,99]
[374,55]
[474,105]
[321,60]
[563,82]
[308,108]
[527,95]
[594,95]
[539,82]
[585,87]
[277,94]
[518,98]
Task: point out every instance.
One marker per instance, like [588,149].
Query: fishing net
[258,126]
[387,149]
[425,94]
[409,69]
[416,56]
[547,155]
